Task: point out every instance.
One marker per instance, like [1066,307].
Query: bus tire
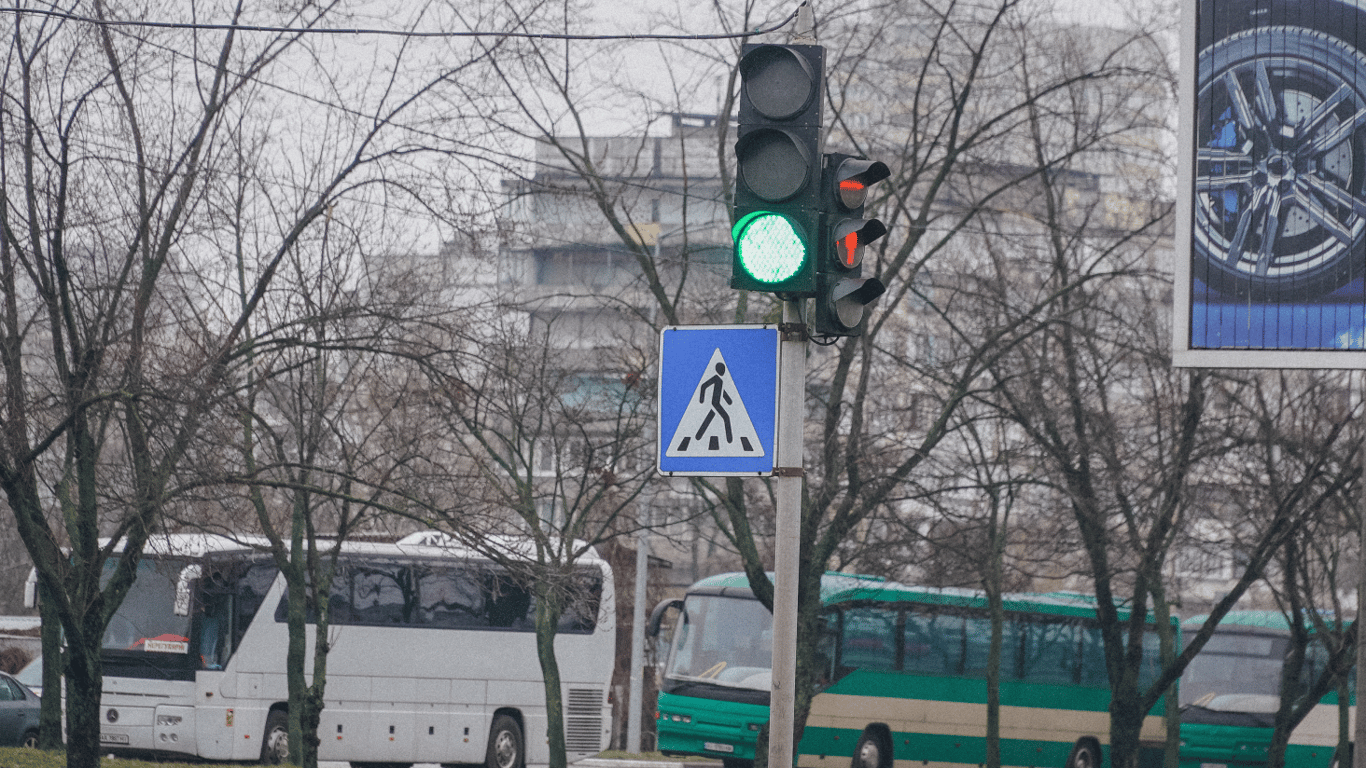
[1084,755]
[1339,762]
[30,740]
[736,762]
[871,751]
[275,743]
[505,744]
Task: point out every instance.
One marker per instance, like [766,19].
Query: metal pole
[636,706]
[788,463]
[1359,727]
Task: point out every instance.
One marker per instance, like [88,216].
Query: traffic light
[778,169]
[841,290]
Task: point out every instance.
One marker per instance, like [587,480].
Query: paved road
[589,763]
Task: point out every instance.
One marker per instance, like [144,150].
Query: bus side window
[380,594]
[977,646]
[508,603]
[1050,651]
[826,645]
[1093,674]
[933,642]
[338,599]
[248,595]
[581,612]
[870,638]
[214,630]
[451,598]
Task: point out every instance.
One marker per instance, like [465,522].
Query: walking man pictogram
[718,393]
[715,410]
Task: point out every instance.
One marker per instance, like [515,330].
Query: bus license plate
[714,747]
[113,738]
[1214,765]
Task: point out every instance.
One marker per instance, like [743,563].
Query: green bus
[905,683]
[1231,690]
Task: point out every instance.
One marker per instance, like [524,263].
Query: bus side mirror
[31,589]
[657,615]
[188,576]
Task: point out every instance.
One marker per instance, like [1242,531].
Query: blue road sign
[718,399]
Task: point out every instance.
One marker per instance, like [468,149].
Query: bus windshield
[146,621]
[726,641]
[1234,665]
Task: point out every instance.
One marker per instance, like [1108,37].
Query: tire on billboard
[1280,171]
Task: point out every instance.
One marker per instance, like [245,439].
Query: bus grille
[583,722]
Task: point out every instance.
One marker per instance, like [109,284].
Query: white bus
[433,658]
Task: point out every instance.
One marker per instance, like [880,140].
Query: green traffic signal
[770,248]
[777,205]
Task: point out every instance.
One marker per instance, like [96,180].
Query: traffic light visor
[770,247]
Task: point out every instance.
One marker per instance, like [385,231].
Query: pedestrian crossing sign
[718,395]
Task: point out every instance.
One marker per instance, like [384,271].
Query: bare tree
[954,98]
[1289,414]
[118,339]
[541,456]
[1126,442]
[320,439]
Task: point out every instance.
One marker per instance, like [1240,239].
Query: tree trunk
[548,609]
[1171,704]
[1275,751]
[310,714]
[54,663]
[84,686]
[996,608]
[1126,724]
[997,611]
[1341,757]
[808,653]
[295,651]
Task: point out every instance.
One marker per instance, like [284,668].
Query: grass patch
[35,758]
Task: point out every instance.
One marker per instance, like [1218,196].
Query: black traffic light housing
[841,290]
[778,169]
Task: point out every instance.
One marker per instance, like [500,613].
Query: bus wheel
[1084,756]
[30,740]
[735,762]
[275,745]
[868,753]
[505,744]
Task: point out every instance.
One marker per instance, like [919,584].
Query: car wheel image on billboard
[1279,167]
[1278,187]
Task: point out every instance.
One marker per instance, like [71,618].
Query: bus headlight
[168,719]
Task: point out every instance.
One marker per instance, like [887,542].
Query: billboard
[1271,201]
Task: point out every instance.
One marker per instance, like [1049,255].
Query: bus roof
[848,588]
[1269,620]
[422,544]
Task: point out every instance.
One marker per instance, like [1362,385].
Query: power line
[201,26]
